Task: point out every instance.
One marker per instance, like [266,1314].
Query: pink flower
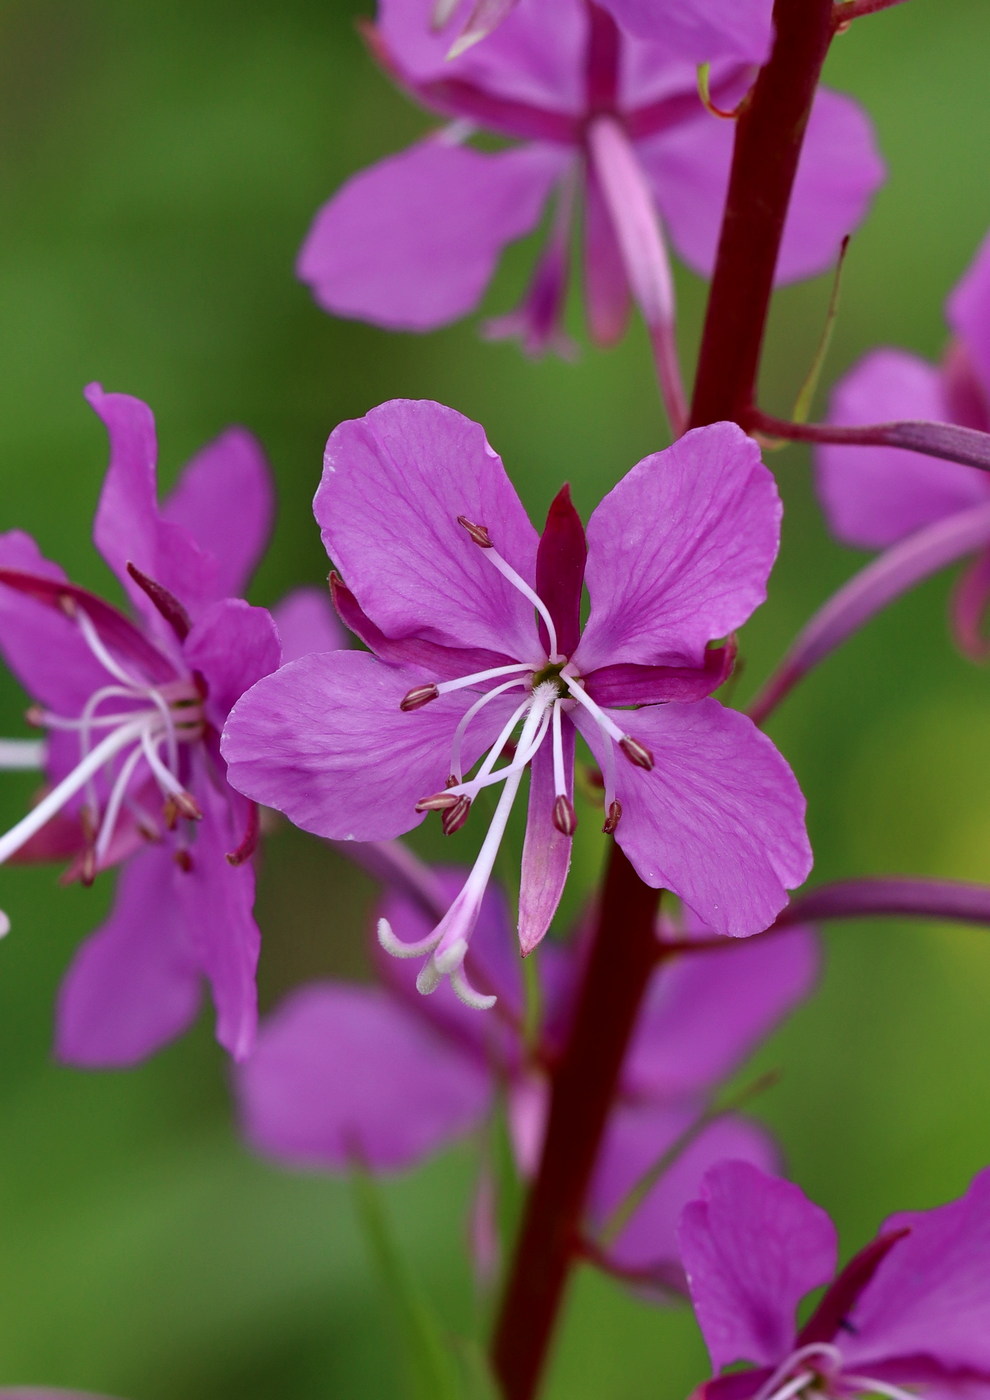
[912,1309]
[474,625]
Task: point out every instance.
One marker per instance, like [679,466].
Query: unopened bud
[612,817]
[438,802]
[564,816]
[455,817]
[479,533]
[419,695]
[636,752]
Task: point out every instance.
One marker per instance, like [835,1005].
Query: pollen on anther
[564,816]
[417,697]
[612,817]
[479,533]
[438,802]
[455,817]
[636,752]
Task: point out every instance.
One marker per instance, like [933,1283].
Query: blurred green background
[160,163]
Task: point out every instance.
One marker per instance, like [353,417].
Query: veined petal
[411,243]
[135,984]
[638,1136]
[546,851]
[719,819]
[225,500]
[874,496]
[324,741]
[394,483]
[696,528]
[129,528]
[344,1074]
[752,1246]
[839,172]
[232,645]
[306,622]
[931,1293]
[700,30]
[705,1012]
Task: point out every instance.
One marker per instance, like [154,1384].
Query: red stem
[769,134]
[622,957]
[625,951]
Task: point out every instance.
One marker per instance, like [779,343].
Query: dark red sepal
[167,604]
[843,1292]
[560,561]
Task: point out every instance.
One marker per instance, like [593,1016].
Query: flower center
[131,735]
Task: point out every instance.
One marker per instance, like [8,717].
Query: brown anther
[87,866]
[479,533]
[147,829]
[68,605]
[417,697]
[564,816]
[612,817]
[455,817]
[438,802]
[35,716]
[180,804]
[452,780]
[636,752]
[184,860]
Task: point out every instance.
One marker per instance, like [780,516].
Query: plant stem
[621,959]
[769,134]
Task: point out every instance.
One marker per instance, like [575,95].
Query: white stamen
[559,774]
[21,755]
[96,646]
[793,1386]
[468,716]
[116,798]
[825,1350]
[4,924]
[488,774]
[165,778]
[608,726]
[444,687]
[69,786]
[508,572]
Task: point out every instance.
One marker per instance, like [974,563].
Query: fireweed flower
[132,711]
[606,121]
[879,497]
[911,1310]
[343,1071]
[474,627]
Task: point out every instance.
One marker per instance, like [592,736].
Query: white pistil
[21,754]
[559,775]
[468,716]
[94,642]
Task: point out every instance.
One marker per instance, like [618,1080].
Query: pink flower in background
[912,1309]
[607,122]
[875,497]
[346,1072]
[132,711]
[474,626]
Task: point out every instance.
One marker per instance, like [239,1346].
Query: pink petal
[719,820]
[136,983]
[546,851]
[838,175]
[412,242]
[394,483]
[232,645]
[225,500]
[699,30]
[752,1246]
[969,314]
[638,1137]
[306,622]
[129,528]
[324,741]
[874,496]
[705,1012]
[344,1074]
[696,528]
[931,1293]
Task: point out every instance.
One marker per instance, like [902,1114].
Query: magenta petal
[705,1012]
[696,528]
[719,820]
[306,622]
[135,984]
[412,242]
[128,527]
[344,1074]
[232,645]
[700,30]
[931,1294]
[225,500]
[838,174]
[546,852]
[638,1137]
[752,1246]
[324,741]
[874,496]
[394,483]
[969,314]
